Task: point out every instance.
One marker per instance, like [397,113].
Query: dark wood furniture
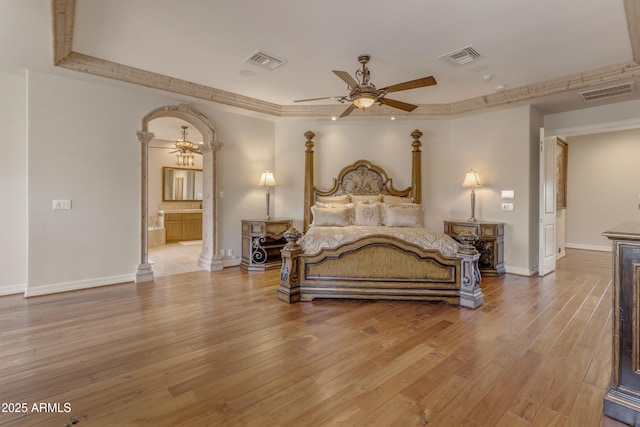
[262,240]
[490,243]
[622,400]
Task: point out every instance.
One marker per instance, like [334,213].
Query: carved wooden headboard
[361,177]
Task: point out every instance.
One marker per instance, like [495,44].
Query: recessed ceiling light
[392,118]
[247,73]
[501,87]
[487,77]
[334,118]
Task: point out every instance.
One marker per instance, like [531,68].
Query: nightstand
[262,240]
[490,243]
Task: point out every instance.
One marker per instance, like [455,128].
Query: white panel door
[547,231]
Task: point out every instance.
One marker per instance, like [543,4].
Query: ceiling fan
[185,150]
[363,94]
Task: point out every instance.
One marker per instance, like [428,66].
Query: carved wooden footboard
[380,267]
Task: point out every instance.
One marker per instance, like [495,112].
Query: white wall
[498,146]
[603,186]
[83,147]
[247,152]
[339,143]
[13,183]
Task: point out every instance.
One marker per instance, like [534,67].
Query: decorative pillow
[330,217]
[367,214]
[366,198]
[396,199]
[335,199]
[404,215]
[338,205]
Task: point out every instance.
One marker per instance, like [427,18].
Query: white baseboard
[519,271]
[588,247]
[17,288]
[231,262]
[77,285]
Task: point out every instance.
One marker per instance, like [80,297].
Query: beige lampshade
[267,179]
[472,179]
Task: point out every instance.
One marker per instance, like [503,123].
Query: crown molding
[113,70]
[63,14]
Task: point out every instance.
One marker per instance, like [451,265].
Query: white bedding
[317,238]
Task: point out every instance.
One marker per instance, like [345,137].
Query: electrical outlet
[61,204]
[507,206]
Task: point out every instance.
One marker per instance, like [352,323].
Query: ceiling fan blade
[348,111]
[398,104]
[413,84]
[318,99]
[346,77]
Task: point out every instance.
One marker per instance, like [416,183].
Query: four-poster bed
[364,239]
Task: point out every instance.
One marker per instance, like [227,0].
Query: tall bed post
[308,179]
[416,167]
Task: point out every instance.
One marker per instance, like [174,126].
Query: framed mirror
[181,184]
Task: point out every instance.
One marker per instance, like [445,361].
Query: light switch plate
[507,206]
[61,204]
[508,194]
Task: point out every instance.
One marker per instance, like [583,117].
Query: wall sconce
[472,180]
[267,180]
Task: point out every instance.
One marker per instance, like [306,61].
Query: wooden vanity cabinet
[183,226]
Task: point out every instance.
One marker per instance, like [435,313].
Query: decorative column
[209,258]
[144,272]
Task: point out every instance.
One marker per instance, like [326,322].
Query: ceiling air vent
[607,92]
[264,60]
[461,56]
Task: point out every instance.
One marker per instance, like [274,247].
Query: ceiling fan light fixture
[185,150]
[364,101]
[363,94]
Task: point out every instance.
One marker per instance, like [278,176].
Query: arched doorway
[209,258]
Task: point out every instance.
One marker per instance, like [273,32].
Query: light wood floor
[201,348]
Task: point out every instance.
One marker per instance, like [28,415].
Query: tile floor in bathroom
[175,258]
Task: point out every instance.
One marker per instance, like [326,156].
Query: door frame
[209,258]
[548,182]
